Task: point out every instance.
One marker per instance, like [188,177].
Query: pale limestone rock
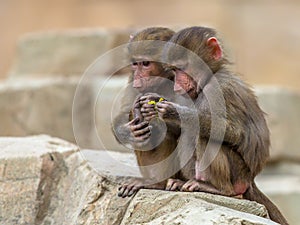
[64,53]
[115,164]
[102,206]
[34,106]
[46,180]
[41,181]
[57,186]
[112,164]
[37,106]
[158,207]
[283,109]
[281,183]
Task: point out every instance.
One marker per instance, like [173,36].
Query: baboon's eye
[146,63]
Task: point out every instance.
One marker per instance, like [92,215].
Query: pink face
[185,84]
[143,72]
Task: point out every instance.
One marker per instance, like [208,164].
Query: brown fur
[130,95]
[130,111]
[245,147]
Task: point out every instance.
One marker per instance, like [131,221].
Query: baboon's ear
[213,43]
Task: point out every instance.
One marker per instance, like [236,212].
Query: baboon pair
[224,119]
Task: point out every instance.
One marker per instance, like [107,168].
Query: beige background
[263,36]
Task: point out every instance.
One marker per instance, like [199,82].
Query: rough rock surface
[41,181]
[158,207]
[280,182]
[46,180]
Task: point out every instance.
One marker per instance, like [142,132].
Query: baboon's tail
[254,194]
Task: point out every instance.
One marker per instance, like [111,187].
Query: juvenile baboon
[131,126]
[244,149]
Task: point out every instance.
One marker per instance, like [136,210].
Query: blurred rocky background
[47,46]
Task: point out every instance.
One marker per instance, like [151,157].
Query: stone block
[34,106]
[50,189]
[156,207]
[282,107]
[64,53]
